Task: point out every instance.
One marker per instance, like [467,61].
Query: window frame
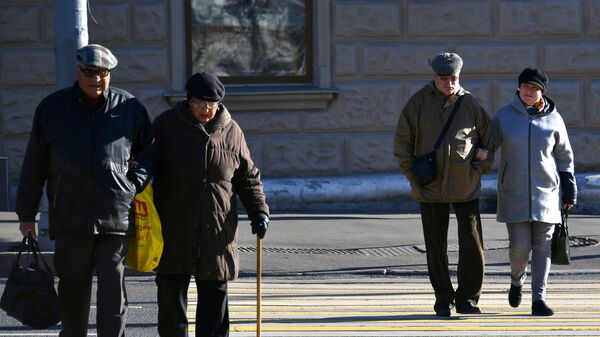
[263,80]
[260,97]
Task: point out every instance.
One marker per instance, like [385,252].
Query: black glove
[568,184]
[259,222]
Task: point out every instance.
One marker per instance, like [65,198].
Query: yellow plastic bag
[146,246]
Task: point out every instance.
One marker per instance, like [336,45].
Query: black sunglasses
[87,72]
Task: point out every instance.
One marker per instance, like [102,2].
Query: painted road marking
[333,308]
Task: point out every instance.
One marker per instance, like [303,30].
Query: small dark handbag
[560,241]
[29,295]
[423,169]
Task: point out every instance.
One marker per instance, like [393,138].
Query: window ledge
[270,98]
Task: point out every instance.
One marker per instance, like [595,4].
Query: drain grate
[308,251]
[575,241]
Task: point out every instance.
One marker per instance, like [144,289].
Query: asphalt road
[365,248]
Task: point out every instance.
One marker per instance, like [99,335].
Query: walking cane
[258,283]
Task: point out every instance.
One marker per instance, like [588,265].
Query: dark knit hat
[534,76]
[95,55]
[205,86]
[446,64]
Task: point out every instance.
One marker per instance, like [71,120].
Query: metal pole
[258,284]
[71,33]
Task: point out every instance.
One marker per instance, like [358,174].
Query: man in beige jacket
[457,181]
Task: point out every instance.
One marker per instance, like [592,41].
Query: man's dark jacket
[199,171]
[83,154]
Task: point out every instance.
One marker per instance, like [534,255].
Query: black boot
[539,308]
[514,296]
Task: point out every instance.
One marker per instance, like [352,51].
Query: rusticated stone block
[17,109]
[534,18]
[593,106]
[48,23]
[150,22]
[586,149]
[255,145]
[305,155]
[346,60]
[141,65]
[481,90]
[19,24]
[505,92]
[375,18]
[577,57]
[399,59]
[568,96]
[112,23]
[153,100]
[14,149]
[372,153]
[496,58]
[449,18]
[360,107]
[593,15]
[267,122]
[27,67]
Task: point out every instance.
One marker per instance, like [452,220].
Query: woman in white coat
[535,181]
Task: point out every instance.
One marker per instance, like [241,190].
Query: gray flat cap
[95,55]
[446,64]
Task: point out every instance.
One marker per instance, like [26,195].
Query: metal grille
[396,250]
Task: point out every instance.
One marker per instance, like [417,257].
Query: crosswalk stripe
[364,309]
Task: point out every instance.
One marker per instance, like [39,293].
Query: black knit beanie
[534,76]
[205,86]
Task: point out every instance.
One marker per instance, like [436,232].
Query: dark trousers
[212,312]
[435,217]
[75,259]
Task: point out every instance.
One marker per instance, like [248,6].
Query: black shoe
[443,310]
[467,308]
[514,296]
[539,308]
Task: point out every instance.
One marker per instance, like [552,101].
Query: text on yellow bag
[146,246]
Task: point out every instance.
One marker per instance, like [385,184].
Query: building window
[251,41]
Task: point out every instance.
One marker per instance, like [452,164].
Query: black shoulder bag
[423,169]
[29,295]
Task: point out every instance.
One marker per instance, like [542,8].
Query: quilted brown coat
[200,170]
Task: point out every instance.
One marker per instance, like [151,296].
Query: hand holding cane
[258,283]
[260,223]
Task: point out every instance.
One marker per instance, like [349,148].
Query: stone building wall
[379,52]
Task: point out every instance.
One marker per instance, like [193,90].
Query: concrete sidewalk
[370,244]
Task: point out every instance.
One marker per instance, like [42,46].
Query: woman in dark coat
[203,162]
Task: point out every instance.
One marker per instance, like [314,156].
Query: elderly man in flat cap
[202,165]
[83,141]
[440,145]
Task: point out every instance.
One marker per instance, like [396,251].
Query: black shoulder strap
[448,122]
